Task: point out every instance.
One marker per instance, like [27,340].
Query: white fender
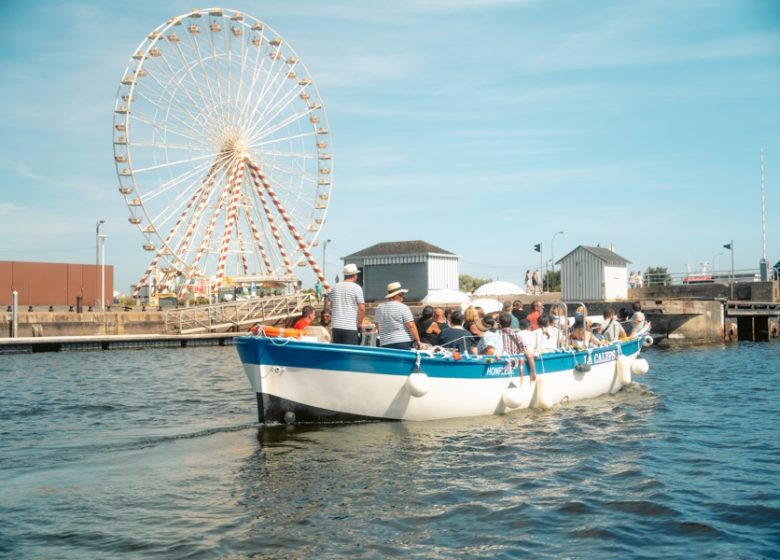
[647,341]
[623,370]
[542,399]
[512,397]
[418,384]
[640,366]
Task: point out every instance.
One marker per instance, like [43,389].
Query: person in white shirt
[638,321]
[611,329]
[491,336]
[549,334]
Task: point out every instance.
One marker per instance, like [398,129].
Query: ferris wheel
[222,152]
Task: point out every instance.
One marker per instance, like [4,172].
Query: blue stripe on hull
[336,357]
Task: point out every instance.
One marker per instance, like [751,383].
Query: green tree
[552,281]
[657,276]
[467,283]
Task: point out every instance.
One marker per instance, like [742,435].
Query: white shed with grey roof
[594,274]
[419,266]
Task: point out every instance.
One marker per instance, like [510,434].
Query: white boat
[308,381]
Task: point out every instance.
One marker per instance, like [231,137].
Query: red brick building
[54,283]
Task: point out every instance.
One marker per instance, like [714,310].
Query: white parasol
[499,288]
[488,304]
[440,297]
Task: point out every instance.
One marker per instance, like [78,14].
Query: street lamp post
[730,247]
[552,252]
[324,247]
[97,241]
[712,272]
[103,272]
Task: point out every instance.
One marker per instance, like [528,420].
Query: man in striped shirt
[395,322]
[348,307]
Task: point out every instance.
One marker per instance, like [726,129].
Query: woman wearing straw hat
[394,321]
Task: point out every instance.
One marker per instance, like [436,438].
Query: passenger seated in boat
[440,318]
[427,327]
[514,343]
[455,337]
[638,321]
[325,318]
[470,319]
[531,339]
[306,318]
[549,334]
[490,336]
[507,308]
[582,334]
[536,311]
[611,329]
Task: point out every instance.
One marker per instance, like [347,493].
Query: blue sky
[483,127]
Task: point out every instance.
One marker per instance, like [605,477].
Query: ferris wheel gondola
[222,151]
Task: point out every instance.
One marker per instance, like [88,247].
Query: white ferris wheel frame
[222,151]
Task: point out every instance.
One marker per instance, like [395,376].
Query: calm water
[155,453]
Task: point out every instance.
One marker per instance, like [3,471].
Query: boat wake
[38,457]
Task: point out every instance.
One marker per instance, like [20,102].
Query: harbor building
[594,274]
[419,266]
[44,284]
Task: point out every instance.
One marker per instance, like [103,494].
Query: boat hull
[300,381]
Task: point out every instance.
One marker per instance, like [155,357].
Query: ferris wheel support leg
[253,171]
[293,230]
[205,240]
[235,181]
[202,192]
[256,236]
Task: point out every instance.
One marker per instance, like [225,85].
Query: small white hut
[419,266]
[593,274]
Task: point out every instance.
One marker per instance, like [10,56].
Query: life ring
[281,332]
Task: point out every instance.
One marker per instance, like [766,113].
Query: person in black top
[455,336]
[517,310]
[440,318]
[427,327]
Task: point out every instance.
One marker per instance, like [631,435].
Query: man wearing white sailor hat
[349,307]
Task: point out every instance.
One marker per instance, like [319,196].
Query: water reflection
[383,488]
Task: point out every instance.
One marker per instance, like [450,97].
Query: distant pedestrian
[348,307]
[319,288]
[529,286]
[537,284]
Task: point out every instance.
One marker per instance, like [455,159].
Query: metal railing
[223,317]
[701,277]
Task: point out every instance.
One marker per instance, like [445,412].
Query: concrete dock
[30,345]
